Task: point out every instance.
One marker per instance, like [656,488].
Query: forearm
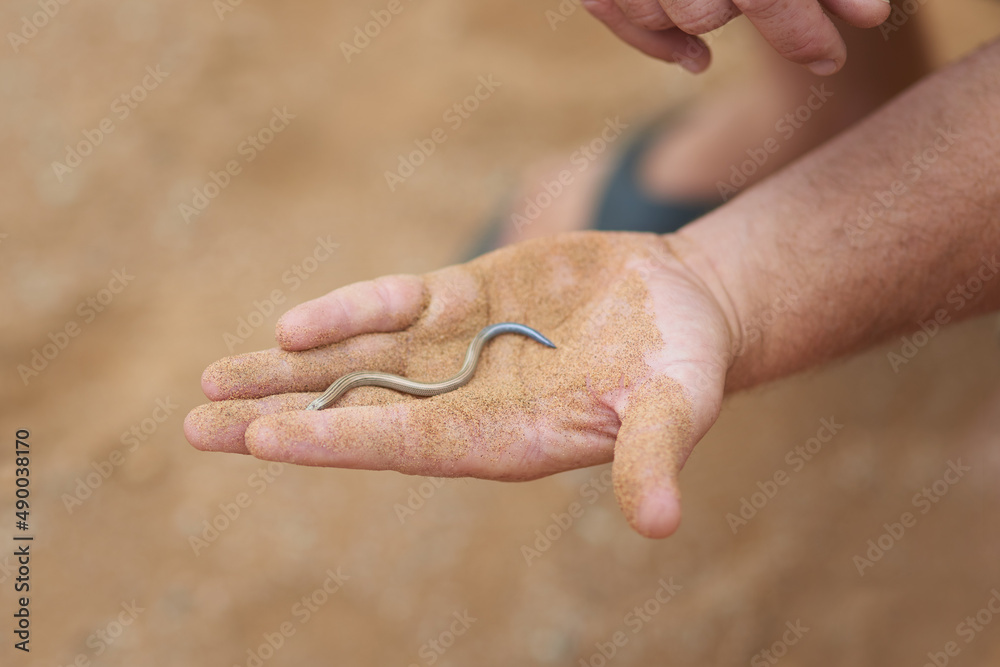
[894,223]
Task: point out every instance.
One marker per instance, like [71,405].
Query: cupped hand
[637,376]
[799,30]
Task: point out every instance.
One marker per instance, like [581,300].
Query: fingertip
[260,438]
[689,51]
[234,377]
[650,502]
[191,431]
[208,431]
[861,13]
[210,383]
[877,12]
[603,10]
[292,332]
[658,515]
[316,323]
[696,65]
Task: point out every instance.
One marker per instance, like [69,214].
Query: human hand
[799,30]
[643,348]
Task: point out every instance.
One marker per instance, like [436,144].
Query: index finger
[456,435]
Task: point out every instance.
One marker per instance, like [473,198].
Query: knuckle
[382,292]
[697,18]
[646,14]
[655,21]
[764,9]
[698,25]
[383,296]
[341,309]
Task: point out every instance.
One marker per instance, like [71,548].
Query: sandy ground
[403,580]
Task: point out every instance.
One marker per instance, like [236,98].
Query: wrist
[718,250]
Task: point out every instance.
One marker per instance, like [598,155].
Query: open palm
[637,375]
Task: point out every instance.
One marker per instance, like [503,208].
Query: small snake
[376,379]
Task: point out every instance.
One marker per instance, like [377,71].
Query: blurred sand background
[461,550]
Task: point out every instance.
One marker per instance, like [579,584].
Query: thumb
[660,424]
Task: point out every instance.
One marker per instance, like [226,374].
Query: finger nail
[693,66]
[823,67]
